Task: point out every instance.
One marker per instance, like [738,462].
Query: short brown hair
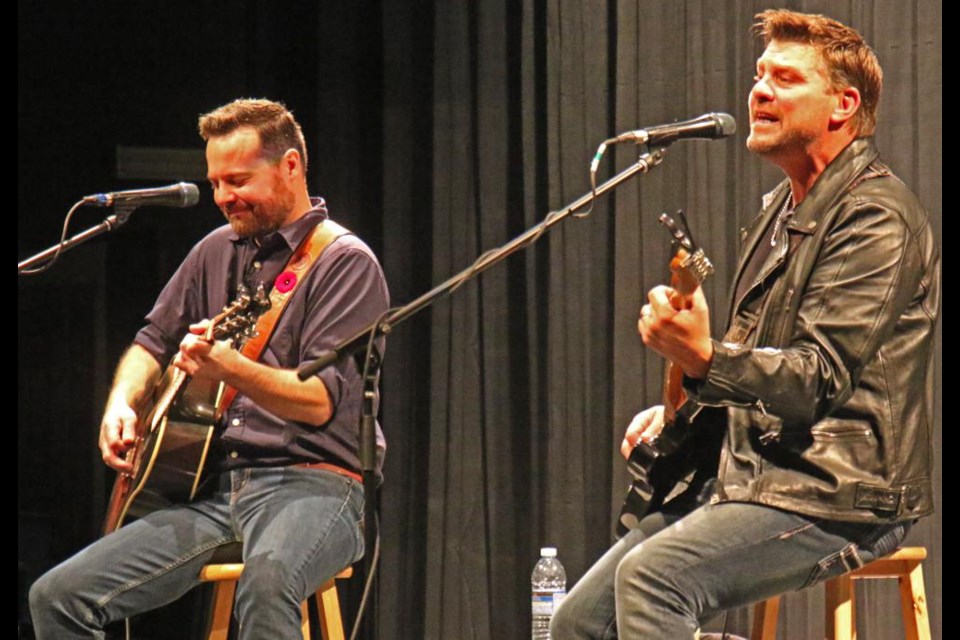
[278,129]
[849,60]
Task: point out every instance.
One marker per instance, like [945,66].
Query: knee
[652,587]
[54,600]
[570,621]
[640,579]
[586,612]
[563,622]
[51,591]
[43,593]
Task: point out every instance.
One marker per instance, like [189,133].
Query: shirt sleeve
[178,305]
[350,294]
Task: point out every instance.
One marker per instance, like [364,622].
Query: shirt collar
[293,233]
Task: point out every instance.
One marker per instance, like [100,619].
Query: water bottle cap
[548,552]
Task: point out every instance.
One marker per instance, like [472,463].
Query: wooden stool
[225,576]
[904,564]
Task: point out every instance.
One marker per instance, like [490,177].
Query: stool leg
[328,608]
[305,619]
[913,603]
[841,616]
[765,619]
[222,609]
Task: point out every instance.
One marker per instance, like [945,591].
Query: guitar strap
[286,284]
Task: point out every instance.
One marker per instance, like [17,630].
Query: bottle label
[544,603]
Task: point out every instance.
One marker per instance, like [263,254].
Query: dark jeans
[673,571]
[299,527]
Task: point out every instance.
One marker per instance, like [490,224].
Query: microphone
[709,126]
[180,195]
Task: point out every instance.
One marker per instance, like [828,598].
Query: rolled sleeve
[349,295]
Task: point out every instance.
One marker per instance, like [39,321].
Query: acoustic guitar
[175,427]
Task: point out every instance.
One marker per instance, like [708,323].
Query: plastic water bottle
[548,586]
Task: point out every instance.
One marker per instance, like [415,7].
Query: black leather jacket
[826,368]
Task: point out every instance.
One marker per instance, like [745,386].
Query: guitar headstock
[690,265]
[238,320]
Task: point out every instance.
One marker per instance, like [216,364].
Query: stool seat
[225,576]
[904,564]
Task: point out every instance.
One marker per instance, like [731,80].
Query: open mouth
[763,118]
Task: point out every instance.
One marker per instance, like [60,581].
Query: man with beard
[822,379]
[283,471]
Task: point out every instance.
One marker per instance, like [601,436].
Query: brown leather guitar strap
[286,284]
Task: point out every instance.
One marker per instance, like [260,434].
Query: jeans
[299,527]
[673,571]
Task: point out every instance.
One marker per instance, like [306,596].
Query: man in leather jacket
[823,374]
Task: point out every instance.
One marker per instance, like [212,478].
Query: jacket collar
[835,180]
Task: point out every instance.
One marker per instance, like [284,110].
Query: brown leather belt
[326,466]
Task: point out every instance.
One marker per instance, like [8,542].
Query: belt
[326,466]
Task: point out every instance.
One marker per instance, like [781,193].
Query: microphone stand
[371,361]
[109,223]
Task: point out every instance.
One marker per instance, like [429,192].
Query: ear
[292,163]
[848,102]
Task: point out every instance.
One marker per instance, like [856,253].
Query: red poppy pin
[285,281]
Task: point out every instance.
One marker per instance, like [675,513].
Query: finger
[660,305]
[645,314]
[112,454]
[628,444]
[185,363]
[110,435]
[194,348]
[199,328]
[632,434]
[654,424]
[128,429]
[118,464]
[698,299]
[104,446]
[644,428]
[645,327]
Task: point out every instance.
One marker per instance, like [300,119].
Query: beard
[263,217]
[775,143]
[260,221]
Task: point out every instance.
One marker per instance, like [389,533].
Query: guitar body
[662,467]
[658,467]
[173,436]
[170,450]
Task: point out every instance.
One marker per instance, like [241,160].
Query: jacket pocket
[845,448]
[835,429]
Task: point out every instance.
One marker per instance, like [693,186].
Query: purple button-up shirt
[344,292]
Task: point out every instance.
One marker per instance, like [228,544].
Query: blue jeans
[299,527]
[663,578]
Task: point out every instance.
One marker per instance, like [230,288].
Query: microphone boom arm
[646,162]
[110,223]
